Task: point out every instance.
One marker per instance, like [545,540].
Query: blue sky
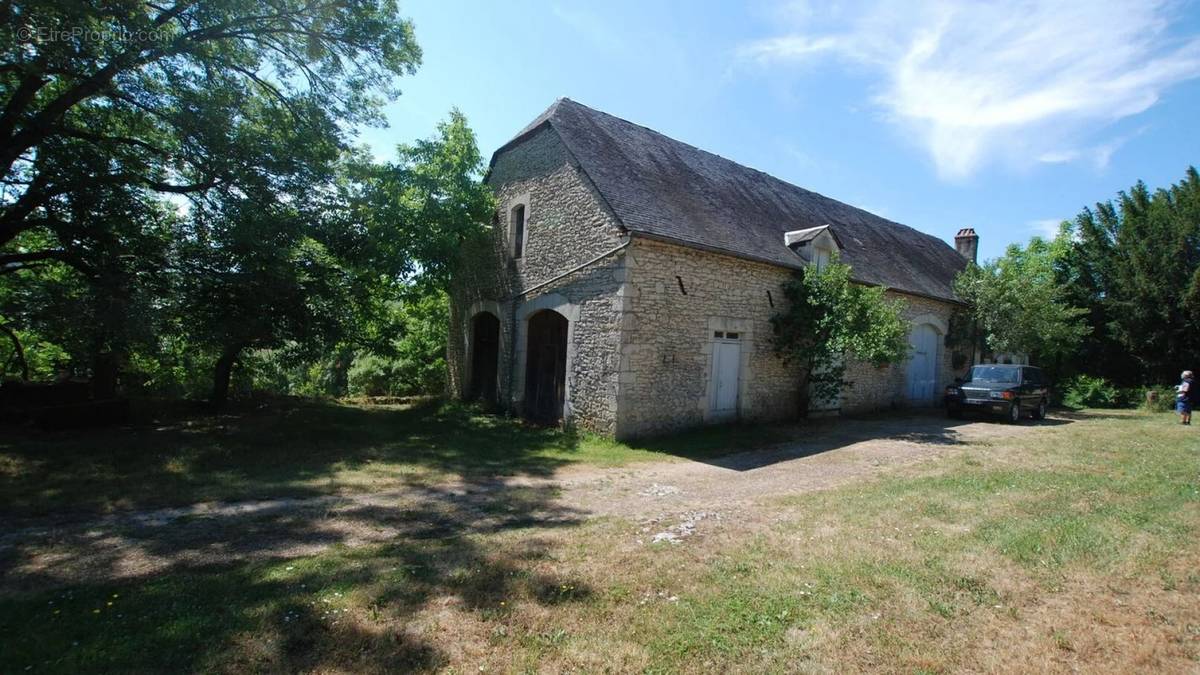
[1006,117]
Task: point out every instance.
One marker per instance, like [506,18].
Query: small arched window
[517,220]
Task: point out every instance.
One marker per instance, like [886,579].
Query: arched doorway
[546,367]
[485,352]
[921,373]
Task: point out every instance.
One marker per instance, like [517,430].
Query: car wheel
[1039,413]
[1014,412]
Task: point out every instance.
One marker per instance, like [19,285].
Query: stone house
[629,281]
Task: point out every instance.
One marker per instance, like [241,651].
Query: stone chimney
[967,243]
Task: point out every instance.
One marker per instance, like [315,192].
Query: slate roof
[662,188]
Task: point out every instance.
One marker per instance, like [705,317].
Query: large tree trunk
[221,376]
[106,366]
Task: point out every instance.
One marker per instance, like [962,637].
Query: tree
[322,272]
[101,296]
[113,115]
[173,98]
[415,361]
[1015,304]
[257,279]
[828,318]
[1134,264]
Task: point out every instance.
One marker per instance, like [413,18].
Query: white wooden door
[921,375]
[727,365]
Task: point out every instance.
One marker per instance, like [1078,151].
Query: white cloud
[787,47]
[1021,82]
[1098,155]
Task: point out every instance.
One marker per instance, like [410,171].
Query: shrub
[1085,391]
[373,376]
[1162,401]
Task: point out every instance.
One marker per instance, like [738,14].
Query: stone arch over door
[485,357]
[569,312]
[545,366]
[922,372]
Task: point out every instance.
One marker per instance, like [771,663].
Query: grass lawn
[1071,547]
[296,448]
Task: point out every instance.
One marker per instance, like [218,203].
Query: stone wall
[565,221]
[567,226]
[875,388]
[591,300]
[666,348]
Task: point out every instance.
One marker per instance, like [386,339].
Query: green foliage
[1115,295]
[1134,265]
[828,317]
[291,294]
[187,98]
[418,212]
[280,372]
[417,361]
[1157,399]
[1015,305]
[290,241]
[1085,391]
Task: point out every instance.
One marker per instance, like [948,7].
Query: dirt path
[666,501]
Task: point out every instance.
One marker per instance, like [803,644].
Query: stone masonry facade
[641,313]
[666,348]
[566,227]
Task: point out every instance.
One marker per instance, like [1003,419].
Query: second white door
[727,365]
[921,375]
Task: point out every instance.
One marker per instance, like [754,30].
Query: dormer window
[821,256]
[815,245]
[517,220]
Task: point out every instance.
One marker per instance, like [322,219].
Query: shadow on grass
[724,446]
[256,589]
[285,448]
[268,593]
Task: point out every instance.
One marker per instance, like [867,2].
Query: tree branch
[18,351]
[15,262]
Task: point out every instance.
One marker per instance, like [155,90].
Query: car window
[1030,376]
[1001,374]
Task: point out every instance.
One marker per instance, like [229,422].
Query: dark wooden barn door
[485,351]
[546,367]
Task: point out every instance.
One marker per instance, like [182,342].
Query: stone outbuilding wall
[566,227]
[680,297]
[872,388]
[641,313]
